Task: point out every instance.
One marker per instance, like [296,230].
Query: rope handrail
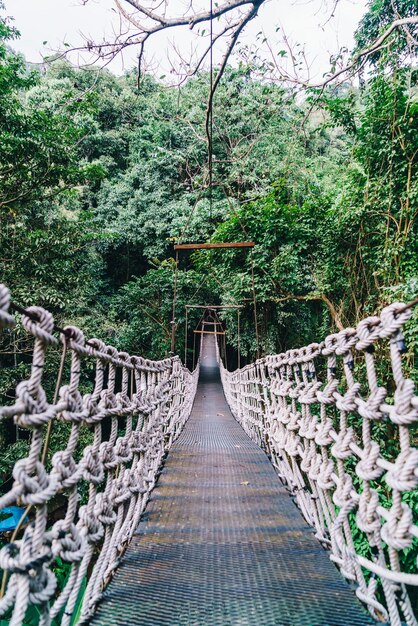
[323,415]
[136,409]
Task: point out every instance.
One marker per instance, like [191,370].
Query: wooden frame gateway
[249,245]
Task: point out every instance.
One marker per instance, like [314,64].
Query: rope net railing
[135,410]
[339,420]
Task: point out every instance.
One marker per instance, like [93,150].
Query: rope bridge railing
[340,431]
[135,411]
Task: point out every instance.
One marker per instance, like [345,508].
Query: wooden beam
[207,246]
[214,306]
[209,332]
[211,323]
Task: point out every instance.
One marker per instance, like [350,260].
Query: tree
[397,20]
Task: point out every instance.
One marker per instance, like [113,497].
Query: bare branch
[247,18]
[367,52]
[146,18]
[185,20]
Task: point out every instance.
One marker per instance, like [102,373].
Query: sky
[306,22]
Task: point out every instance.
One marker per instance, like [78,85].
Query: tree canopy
[99,178]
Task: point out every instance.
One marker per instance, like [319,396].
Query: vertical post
[210,113]
[185,340]
[239,339]
[15,365]
[194,350]
[173,318]
[225,357]
[255,306]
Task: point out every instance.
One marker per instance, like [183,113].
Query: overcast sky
[58,21]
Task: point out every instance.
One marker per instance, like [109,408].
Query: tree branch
[185,20]
[247,18]
[375,47]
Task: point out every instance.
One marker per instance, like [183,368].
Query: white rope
[304,407]
[146,404]
[5,318]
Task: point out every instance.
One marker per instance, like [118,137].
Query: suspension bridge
[215,497]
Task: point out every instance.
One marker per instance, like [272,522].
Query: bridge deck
[221,542]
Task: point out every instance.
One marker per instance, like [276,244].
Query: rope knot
[402,476]
[368,332]
[308,459]
[122,491]
[33,484]
[309,394]
[396,531]
[96,347]
[323,437]
[341,448]
[292,444]
[347,402]
[346,340]
[326,470]
[370,409]
[367,518]
[367,469]
[107,455]
[22,559]
[90,405]
[295,390]
[315,466]
[76,339]
[32,408]
[93,470]
[137,484]
[18,557]
[327,395]
[42,327]
[6,320]
[68,473]
[393,317]
[73,411]
[342,495]
[294,420]
[67,543]
[123,451]
[308,426]
[139,442]
[283,388]
[330,345]
[104,510]
[404,410]
[125,360]
[313,350]
[90,525]
[123,402]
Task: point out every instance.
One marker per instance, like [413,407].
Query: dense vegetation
[98,179]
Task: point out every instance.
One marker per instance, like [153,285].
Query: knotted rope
[327,434]
[136,409]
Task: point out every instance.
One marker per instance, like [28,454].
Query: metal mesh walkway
[221,542]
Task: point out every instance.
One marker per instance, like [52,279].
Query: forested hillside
[100,175]
[98,178]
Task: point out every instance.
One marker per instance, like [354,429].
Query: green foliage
[38,135]
[332,209]
[98,179]
[144,306]
[10,455]
[378,18]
